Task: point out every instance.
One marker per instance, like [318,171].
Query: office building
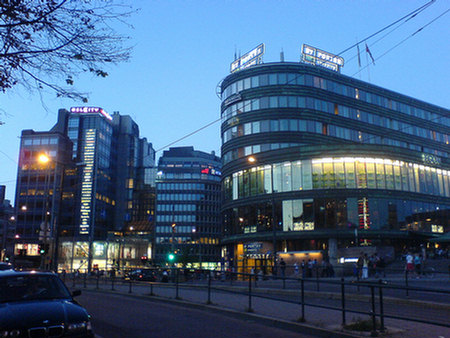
[103,159]
[315,161]
[188,208]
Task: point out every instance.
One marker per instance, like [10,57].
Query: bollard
[250,293]
[374,318]
[382,328]
[343,301]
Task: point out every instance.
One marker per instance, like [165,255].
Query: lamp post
[45,160]
[194,230]
[252,159]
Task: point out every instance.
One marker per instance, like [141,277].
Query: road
[117,316]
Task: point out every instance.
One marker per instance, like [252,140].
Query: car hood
[40,313]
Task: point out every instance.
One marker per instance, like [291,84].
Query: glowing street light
[43,158]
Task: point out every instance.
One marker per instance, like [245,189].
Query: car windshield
[31,287]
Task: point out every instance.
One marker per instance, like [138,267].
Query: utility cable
[402,41]
[409,16]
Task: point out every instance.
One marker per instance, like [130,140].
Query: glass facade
[337,173]
[310,155]
[187,207]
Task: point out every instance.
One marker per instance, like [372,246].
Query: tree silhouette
[46,44]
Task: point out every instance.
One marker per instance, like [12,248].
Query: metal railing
[350,296]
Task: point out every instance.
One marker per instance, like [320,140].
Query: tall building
[188,207]
[42,160]
[317,161]
[7,227]
[102,157]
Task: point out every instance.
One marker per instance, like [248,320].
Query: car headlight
[78,326]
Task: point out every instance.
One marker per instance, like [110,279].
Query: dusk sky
[183,49]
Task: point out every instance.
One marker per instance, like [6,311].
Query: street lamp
[44,159]
[252,159]
[194,230]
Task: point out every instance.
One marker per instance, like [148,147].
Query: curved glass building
[315,160]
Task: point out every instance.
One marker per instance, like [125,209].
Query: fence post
[303,299]
[176,284]
[343,301]
[382,328]
[249,293]
[317,278]
[406,283]
[374,318]
[209,289]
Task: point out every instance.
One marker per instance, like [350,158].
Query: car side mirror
[76,293]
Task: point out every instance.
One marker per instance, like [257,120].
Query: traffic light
[43,249]
[144,259]
[171,257]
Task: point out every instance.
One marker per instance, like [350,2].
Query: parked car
[38,304]
[6,266]
[143,275]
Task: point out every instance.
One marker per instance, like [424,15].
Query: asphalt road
[117,316]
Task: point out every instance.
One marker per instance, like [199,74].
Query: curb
[265,320]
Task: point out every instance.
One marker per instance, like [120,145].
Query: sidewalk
[318,321]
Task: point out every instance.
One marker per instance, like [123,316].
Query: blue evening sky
[183,49]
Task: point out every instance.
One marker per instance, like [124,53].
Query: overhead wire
[407,38]
[408,17]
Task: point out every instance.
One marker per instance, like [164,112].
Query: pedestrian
[309,268]
[409,263]
[418,264]
[296,269]
[359,265]
[365,268]
[381,266]
[283,267]
[303,265]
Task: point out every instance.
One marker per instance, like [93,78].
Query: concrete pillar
[332,250]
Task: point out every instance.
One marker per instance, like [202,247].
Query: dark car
[142,274]
[6,266]
[38,304]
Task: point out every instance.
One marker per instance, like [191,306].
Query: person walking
[365,268]
[409,263]
[283,267]
[418,265]
[295,269]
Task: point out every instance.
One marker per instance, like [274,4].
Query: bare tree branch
[50,43]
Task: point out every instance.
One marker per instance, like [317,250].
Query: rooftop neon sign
[90,110]
[321,58]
